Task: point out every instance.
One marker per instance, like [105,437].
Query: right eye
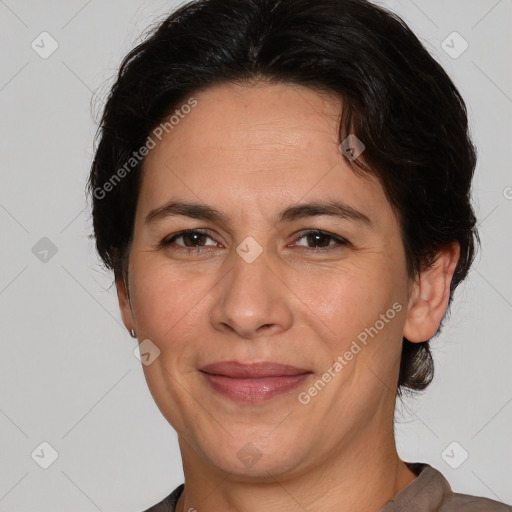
[189,239]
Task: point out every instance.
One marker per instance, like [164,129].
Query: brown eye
[191,238]
[319,239]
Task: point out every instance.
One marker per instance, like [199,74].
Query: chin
[244,457]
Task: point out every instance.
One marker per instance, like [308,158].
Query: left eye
[320,239]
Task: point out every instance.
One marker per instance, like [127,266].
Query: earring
[132,333]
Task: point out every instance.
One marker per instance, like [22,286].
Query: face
[291,258]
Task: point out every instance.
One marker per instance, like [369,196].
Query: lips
[255,382]
[239,370]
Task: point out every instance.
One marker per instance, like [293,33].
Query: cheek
[165,300]
[343,302]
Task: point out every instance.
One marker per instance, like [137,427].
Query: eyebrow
[300,211]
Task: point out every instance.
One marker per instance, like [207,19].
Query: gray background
[68,375]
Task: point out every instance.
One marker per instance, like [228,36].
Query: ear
[124,304]
[430,295]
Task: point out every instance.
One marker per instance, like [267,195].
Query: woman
[282,189]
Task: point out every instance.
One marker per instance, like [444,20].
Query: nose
[251,300]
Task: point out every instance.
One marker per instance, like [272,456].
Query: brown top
[429,492]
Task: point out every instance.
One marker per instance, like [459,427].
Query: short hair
[395,98]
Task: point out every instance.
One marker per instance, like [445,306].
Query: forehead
[264,144]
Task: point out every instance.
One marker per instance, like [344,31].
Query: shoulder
[168,504]
[464,502]
[431,492]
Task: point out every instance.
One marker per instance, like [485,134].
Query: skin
[251,151]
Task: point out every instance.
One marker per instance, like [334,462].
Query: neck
[361,477]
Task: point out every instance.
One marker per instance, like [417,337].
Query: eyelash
[169,240]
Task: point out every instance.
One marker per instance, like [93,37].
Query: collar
[425,493]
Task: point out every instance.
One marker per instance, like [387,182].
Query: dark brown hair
[396,98]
